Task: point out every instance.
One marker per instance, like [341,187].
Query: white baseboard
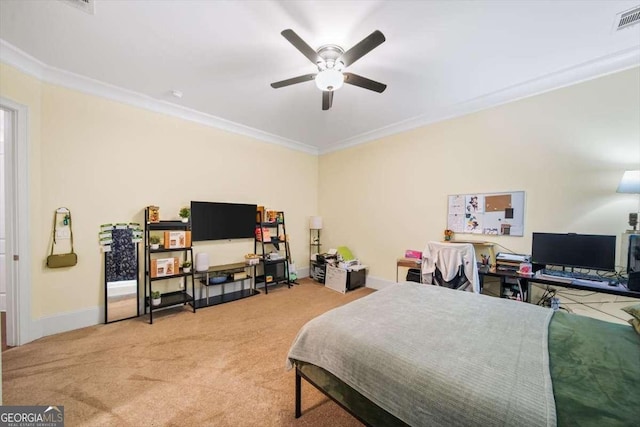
[64,322]
[69,321]
[378,283]
[302,272]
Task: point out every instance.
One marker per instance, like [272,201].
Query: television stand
[229,274]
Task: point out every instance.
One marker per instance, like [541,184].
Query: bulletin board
[498,214]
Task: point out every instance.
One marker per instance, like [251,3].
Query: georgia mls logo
[53,408]
[31,416]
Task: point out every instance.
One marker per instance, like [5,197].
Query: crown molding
[11,55]
[609,64]
[618,61]
[26,63]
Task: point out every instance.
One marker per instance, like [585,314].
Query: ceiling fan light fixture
[329,80]
[331,61]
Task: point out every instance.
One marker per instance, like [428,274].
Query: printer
[510,262]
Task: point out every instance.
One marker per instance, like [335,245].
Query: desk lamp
[630,183]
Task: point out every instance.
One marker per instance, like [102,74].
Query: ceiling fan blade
[356,80]
[365,46]
[327,99]
[293,80]
[301,45]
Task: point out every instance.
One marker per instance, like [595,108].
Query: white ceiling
[440,59]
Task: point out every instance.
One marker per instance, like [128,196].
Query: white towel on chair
[448,257]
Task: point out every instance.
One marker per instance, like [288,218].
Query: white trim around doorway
[19,323]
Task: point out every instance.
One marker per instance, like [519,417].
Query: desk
[407,263]
[525,282]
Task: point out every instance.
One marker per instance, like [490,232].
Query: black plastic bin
[413,275]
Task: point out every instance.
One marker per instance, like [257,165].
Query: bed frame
[361,408]
[594,368]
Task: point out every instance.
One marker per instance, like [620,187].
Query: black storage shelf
[269,224]
[153,279]
[204,281]
[163,250]
[316,272]
[224,298]
[173,298]
[276,268]
[168,225]
[260,279]
[273,261]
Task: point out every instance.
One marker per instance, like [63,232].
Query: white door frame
[18,274]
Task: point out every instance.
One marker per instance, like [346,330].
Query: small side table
[408,263]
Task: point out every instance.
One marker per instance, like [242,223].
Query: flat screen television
[590,251]
[222,221]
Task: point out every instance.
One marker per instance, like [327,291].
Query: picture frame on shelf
[154,214]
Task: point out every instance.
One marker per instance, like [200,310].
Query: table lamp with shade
[630,184]
[315,225]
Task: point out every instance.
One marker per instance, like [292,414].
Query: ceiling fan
[331,60]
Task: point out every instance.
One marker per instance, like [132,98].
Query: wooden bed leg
[298,393]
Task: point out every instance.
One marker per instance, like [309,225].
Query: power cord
[520,288]
[547,296]
[587,304]
[576,295]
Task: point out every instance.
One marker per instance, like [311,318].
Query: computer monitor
[590,251]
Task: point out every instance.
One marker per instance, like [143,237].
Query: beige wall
[106,161]
[567,150]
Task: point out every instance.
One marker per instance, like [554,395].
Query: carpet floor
[222,366]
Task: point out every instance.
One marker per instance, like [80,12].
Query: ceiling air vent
[84,5]
[627,18]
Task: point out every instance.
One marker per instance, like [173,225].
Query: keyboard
[575,277]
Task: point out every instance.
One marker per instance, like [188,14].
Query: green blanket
[595,368]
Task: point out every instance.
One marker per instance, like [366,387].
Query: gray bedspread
[438,357]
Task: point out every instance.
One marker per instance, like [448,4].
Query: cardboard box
[239,275]
[161,267]
[177,239]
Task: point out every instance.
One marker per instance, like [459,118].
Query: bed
[415,354]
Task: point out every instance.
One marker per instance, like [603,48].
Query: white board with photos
[498,214]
